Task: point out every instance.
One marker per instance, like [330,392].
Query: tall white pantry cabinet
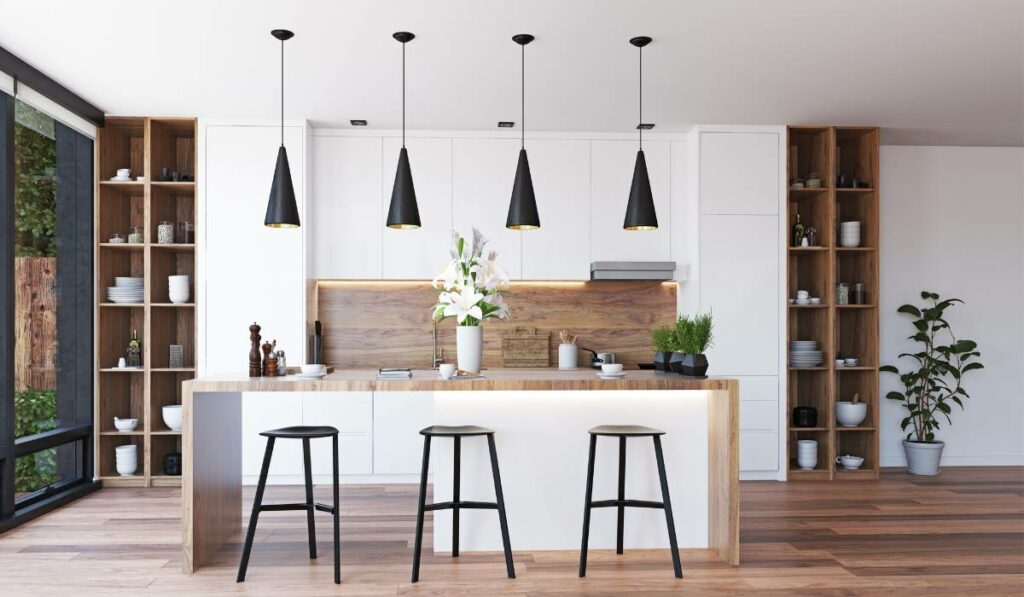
[719,192]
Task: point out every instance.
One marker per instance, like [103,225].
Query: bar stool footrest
[298,506]
[460,504]
[627,503]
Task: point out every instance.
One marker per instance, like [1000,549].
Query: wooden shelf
[798,429]
[847,329]
[146,145]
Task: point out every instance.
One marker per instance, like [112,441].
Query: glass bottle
[798,231]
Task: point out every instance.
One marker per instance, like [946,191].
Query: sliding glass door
[46,263]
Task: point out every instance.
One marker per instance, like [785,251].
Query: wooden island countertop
[427,380]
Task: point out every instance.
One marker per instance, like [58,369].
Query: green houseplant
[661,341]
[698,338]
[676,341]
[933,382]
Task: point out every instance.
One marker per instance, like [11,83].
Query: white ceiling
[932,72]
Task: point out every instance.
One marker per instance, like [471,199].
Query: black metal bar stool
[623,432]
[305,434]
[457,433]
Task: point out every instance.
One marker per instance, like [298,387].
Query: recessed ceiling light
[357,122]
[645,126]
[506,124]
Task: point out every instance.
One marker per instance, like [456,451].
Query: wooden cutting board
[524,347]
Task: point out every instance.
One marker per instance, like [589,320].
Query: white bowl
[172,416]
[851,414]
[611,368]
[312,369]
[125,424]
[850,462]
[127,469]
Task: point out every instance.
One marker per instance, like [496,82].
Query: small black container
[661,360]
[805,416]
[675,362]
[172,464]
[695,365]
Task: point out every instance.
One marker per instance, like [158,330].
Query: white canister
[469,345]
[568,356]
[807,454]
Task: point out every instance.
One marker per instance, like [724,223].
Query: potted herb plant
[661,341]
[933,381]
[698,338]
[675,343]
[470,290]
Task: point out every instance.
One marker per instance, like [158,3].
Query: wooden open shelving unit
[145,145]
[846,330]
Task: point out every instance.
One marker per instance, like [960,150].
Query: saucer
[311,375]
[603,375]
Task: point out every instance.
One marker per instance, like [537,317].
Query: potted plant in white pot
[934,381]
[698,338]
[470,290]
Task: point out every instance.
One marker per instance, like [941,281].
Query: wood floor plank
[961,533]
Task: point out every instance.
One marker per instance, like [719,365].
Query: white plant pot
[172,416]
[923,458]
[568,356]
[469,345]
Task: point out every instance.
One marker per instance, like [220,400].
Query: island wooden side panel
[724,473]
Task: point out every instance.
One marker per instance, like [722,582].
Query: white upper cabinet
[739,269]
[560,250]
[250,272]
[611,173]
[346,207]
[484,170]
[421,253]
[739,173]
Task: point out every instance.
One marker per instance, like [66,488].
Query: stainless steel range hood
[632,270]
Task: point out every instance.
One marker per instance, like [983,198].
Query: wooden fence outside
[35,323]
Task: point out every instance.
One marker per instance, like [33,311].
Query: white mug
[121,363]
[447,370]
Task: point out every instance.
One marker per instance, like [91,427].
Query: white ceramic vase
[568,356]
[469,345]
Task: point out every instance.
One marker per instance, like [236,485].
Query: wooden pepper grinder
[267,348]
[255,367]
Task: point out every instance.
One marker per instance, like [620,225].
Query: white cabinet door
[351,413]
[611,173]
[346,207]
[739,269]
[560,250]
[484,172]
[759,403]
[251,272]
[419,254]
[739,173]
[759,451]
[263,411]
[397,420]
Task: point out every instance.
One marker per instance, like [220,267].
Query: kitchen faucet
[437,355]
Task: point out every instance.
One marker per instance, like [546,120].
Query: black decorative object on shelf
[282,211]
[403,213]
[172,464]
[695,365]
[640,212]
[805,416]
[522,209]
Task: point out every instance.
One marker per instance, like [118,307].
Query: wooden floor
[959,534]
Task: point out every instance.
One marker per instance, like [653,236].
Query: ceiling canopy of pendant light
[640,212]
[522,209]
[282,210]
[403,213]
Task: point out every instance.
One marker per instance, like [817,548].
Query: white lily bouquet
[470,290]
[471,285]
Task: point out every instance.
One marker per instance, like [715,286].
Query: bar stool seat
[308,506]
[457,432]
[300,432]
[623,432]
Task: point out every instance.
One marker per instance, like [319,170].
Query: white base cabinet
[397,420]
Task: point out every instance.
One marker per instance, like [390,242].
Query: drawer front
[355,455]
[759,416]
[759,451]
[349,412]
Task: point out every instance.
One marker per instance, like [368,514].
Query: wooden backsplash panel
[375,324]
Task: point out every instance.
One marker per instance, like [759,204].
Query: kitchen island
[540,417]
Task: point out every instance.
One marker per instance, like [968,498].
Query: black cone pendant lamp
[640,213]
[282,212]
[403,214]
[522,209]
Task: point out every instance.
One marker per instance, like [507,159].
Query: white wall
[953,223]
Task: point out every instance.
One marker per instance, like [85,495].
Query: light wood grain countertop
[426,380]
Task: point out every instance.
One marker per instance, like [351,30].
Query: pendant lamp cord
[403,94]
[522,98]
[640,124]
[282,93]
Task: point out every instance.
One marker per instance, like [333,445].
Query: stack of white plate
[127,461]
[805,353]
[125,290]
[849,234]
